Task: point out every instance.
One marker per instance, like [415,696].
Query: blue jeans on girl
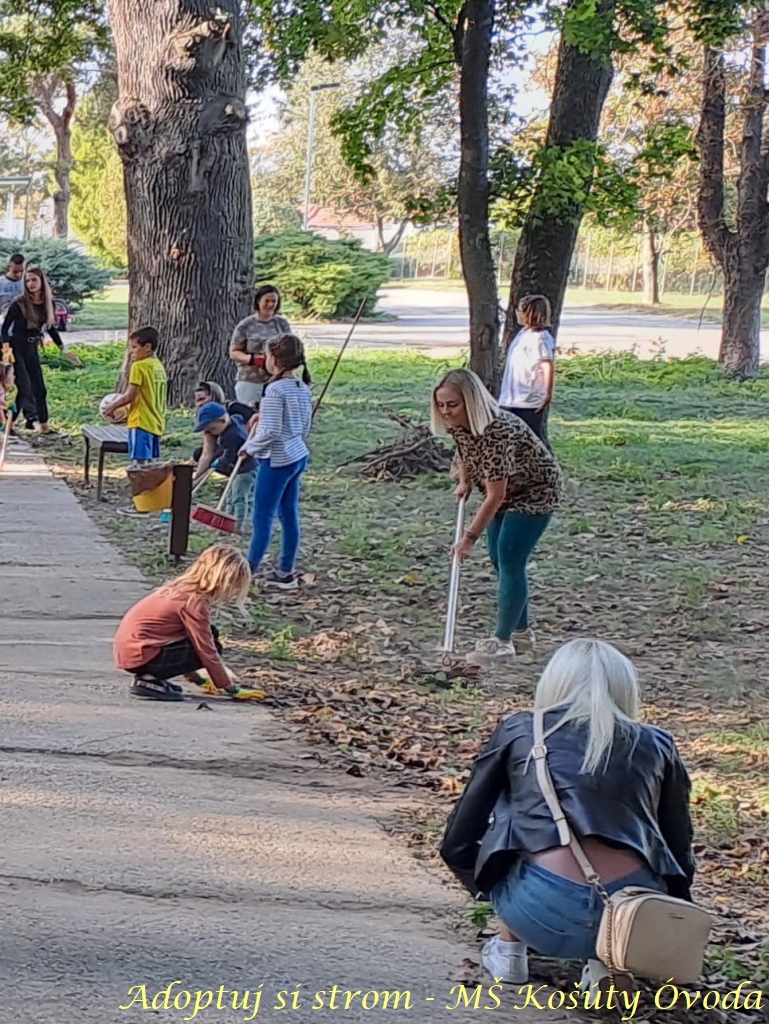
[277,494]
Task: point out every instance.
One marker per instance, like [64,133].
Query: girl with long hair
[279,443]
[169,633]
[28,319]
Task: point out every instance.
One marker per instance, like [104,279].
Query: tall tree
[57,98]
[180,128]
[739,243]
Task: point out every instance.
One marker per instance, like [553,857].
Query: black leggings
[177,659]
[33,396]
[534,418]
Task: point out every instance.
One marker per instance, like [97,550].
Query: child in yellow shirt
[145,397]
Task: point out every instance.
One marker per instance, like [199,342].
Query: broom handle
[451,609]
[330,377]
[234,473]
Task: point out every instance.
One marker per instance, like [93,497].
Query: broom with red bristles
[214,517]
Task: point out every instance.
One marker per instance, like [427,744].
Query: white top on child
[285,418]
[523,384]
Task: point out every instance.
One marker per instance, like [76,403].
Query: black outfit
[25,341]
[230,443]
[641,802]
[534,418]
[177,659]
[241,409]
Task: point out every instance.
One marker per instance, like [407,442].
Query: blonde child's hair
[482,408]
[596,685]
[535,311]
[221,575]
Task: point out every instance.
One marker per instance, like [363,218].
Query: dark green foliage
[318,277]
[74,276]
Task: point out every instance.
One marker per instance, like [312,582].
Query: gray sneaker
[491,652]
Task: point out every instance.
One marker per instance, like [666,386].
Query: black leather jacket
[641,801]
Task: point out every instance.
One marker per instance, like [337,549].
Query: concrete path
[147,844]
[435,321]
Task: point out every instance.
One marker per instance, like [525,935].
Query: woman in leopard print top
[521,483]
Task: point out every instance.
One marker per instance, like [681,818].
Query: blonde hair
[598,686]
[221,574]
[535,311]
[482,408]
[31,315]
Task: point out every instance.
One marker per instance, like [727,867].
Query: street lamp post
[310,142]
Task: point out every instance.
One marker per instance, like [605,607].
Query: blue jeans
[277,494]
[555,916]
[511,538]
[142,446]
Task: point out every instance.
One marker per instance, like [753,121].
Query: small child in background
[145,397]
[223,438]
[7,385]
[527,384]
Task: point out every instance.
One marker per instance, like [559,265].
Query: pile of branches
[416,452]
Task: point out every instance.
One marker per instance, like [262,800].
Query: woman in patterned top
[521,484]
[249,342]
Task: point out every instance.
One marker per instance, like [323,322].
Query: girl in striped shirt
[285,417]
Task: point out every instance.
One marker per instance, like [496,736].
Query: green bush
[318,277]
[74,275]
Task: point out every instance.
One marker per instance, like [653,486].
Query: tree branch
[710,139]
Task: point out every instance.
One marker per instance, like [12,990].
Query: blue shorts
[554,916]
[142,446]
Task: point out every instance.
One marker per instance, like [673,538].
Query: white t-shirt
[523,383]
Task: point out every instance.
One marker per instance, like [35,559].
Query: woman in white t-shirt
[527,384]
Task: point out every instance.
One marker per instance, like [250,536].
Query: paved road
[144,844]
[436,320]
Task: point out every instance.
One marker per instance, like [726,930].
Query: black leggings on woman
[33,396]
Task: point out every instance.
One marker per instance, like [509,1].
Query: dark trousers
[176,659]
[534,418]
[33,396]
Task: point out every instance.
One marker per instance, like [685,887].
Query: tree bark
[473,37]
[651,265]
[742,252]
[180,127]
[544,253]
[46,88]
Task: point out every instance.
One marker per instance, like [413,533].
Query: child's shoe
[282,580]
[156,689]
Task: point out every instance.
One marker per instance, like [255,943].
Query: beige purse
[643,932]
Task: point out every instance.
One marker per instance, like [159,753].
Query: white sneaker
[524,641]
[491,651]
[506,961]
[596,975]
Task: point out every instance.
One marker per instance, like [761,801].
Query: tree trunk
[46,88]
[741,327]
[651,266]
[742,253]
[388,245]
[473,49]
[544,253]
[180,127]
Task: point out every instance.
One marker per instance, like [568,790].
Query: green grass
[106,313]
[662,547]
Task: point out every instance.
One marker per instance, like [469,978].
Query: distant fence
[600,261]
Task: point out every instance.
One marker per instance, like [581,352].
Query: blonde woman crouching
[520,482]
[169,633]
[624,791]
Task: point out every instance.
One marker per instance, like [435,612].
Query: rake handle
[451,607]
[334,368]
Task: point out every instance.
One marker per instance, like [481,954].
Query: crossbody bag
[642,932]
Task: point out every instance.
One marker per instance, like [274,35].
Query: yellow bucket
[157,500]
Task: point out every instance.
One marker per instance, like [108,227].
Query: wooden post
[610,268]
[697,252]
[181,506]
[635,269]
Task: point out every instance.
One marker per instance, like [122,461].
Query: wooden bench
[109,440]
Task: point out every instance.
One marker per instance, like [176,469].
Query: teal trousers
[511,538]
